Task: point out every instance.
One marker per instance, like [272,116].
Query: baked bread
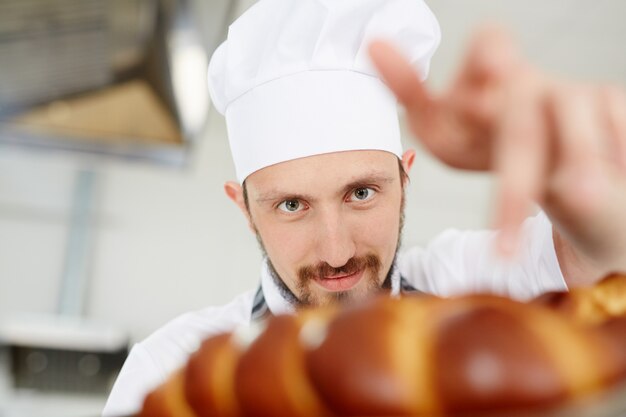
[414,356]
[590,305]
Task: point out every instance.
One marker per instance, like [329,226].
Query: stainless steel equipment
[124,78]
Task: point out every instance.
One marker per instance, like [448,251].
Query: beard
[369,263]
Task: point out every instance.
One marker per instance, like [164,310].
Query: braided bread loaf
[414,356]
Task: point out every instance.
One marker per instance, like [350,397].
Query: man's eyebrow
[363,181]
[373,179]
[275,195]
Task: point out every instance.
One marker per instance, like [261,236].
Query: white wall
[170,241]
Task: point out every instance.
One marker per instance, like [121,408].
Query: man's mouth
[340,282]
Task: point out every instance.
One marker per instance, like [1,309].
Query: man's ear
[234,192]
[408,157]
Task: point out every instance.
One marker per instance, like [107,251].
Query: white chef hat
[294,78]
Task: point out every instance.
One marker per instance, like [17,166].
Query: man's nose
[335,245]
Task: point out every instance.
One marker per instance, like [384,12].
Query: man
[321,173]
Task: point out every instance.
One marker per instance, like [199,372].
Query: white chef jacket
[454,263]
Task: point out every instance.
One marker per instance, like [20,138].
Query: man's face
[329,223]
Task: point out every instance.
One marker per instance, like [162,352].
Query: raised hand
[558,143]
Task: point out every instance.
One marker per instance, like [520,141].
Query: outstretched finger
[521,159]
[401,77]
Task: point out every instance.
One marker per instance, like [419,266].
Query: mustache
[353,265]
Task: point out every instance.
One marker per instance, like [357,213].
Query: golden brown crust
[611,294]
[488,360]
[168,400]
[271,376]
[612,333]
[209,378]
[590,305]
[374,361]
[353,367]
[416,356]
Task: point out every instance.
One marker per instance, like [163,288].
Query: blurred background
[112,215]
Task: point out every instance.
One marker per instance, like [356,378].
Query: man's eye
[290,206]
[362,194]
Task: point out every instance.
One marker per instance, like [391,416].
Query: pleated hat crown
[294,78]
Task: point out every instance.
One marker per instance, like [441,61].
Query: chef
[307,88]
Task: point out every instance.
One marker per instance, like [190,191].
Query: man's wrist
[577,269]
